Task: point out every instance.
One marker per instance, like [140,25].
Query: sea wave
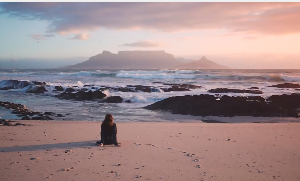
[98,73]
[264,78]
[161,74]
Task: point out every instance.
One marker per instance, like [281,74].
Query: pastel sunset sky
[241,35]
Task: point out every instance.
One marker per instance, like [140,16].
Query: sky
[239,35]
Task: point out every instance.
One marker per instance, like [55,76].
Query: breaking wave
[260,78]
[164,74]
[89,73]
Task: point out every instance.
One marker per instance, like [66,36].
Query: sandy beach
[65,150]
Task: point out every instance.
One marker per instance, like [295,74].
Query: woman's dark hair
[108,120]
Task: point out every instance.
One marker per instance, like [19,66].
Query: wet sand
[65,150]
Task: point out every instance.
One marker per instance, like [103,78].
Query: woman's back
[108,131]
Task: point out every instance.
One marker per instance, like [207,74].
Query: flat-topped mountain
[129,60]
[142,60]
[203,63]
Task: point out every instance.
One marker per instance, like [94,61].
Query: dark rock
[19,124]
[37,118]
[25,118]
[47,118]
[24,112]
[98,94]
[286,101]
[286,85]
[225,90]
[209,105]
[84,89]
[38,83]
[59,88]
[175,88]
[69,90]
[59,115]
[22,84]
[178,87]
[114,99]
[254,88]
[6,88]
[211,121]
[41,118]
[37,89]
[140,88]
[13,84]
[2,121]
[6,123]
[128,101]
[82,95]
[158,82]
[49,113]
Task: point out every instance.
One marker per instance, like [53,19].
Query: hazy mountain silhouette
[129,60]
[203,63]
[141,60]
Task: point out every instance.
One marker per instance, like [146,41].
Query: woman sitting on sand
[108,132]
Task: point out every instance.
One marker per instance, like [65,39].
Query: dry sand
[56,150]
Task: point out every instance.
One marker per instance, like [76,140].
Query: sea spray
[80,84]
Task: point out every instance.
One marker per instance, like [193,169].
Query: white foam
[185,71]
[107,92]
[154,75]
[80,84]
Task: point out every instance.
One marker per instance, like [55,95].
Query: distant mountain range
[142,60]
[203,63]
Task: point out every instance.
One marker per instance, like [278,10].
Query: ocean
[95,110]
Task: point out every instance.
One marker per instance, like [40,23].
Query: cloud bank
[249,18]
[143,44]
[40,36]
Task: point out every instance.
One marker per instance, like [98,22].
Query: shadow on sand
[82,144]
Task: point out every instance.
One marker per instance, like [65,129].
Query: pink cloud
[82,36]
[256,18]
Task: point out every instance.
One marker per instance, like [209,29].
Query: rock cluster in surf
[286,85]
[9,123]
[209,105]
[225,90]
[27,114]
[31,87]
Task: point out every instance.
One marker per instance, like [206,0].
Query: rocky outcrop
[285,101]
[225,90]
[114,99]
[209,105]
[13,84]
[69,89]
[33,87]
[38,83]
[36,89]
[82,95]
[58,88]
[25,113]
[180,87]
[286,85]
[10,123]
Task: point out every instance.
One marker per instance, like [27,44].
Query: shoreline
[65,150]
